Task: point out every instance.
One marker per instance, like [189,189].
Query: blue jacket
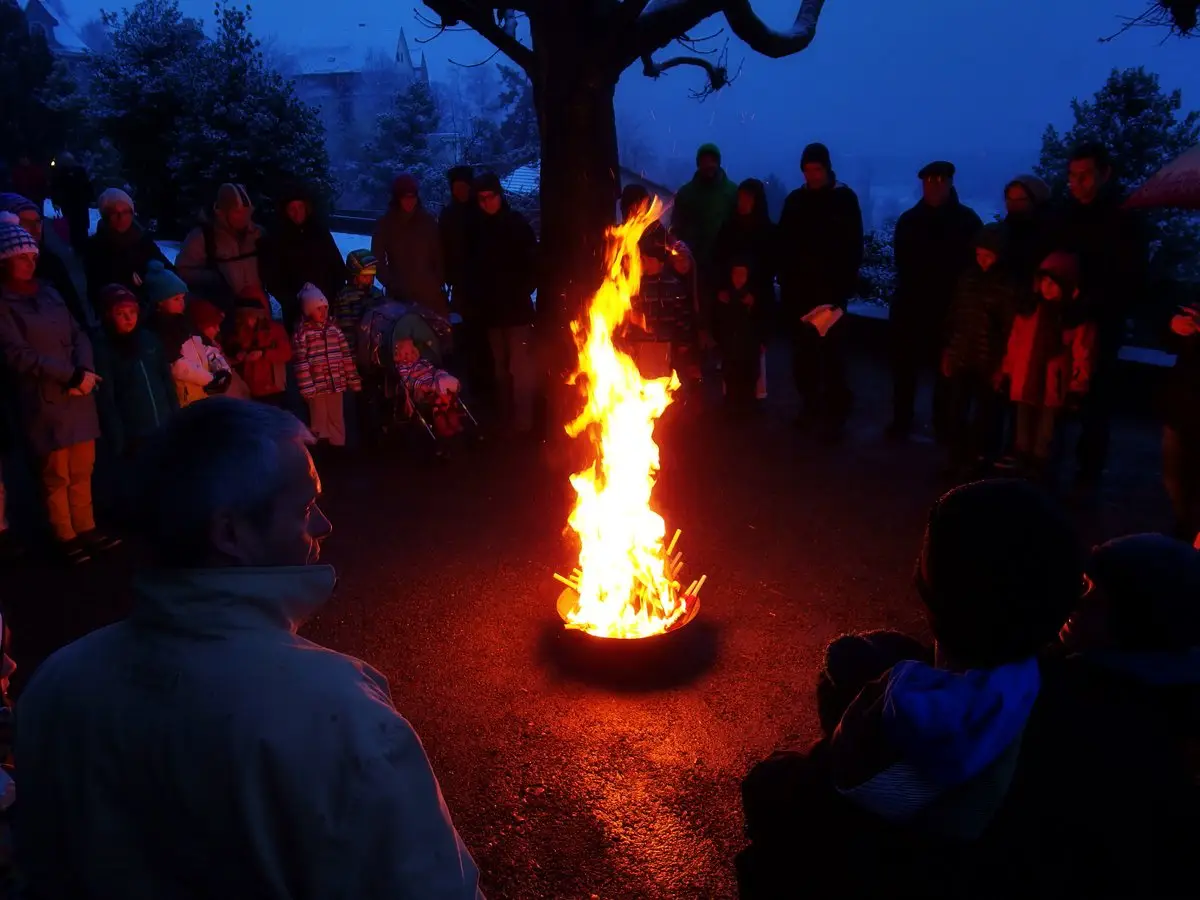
[137,395]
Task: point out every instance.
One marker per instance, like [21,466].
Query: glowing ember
[627,582]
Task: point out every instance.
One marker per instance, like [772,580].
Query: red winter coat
[266,375]
[1068,369]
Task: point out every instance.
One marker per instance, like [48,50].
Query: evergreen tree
[518,118]
[402,144]
[33,120]
[185,112]
[1143,128]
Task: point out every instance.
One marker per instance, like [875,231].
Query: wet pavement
[567,788]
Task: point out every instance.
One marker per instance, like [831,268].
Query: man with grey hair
[201,748]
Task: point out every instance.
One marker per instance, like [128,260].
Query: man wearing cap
[934,244]
[820,252]
[219,259]
[701,207]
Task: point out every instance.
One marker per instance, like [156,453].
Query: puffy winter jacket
[218,263]
[979,321]
[1068,369]
[266,375]
[137,395]
[323,361]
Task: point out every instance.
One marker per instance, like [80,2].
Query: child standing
[666,305]
[977,327]
[1049,361]
[201,369]
[137,394]
[736,323]
[359,294]
[325,368]
[259,347]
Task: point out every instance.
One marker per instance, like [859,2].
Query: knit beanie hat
[1063,268]
[458,174]
[708,149]
[204,314]
[361,262]
[816,153]
[115,295]
[160,283]
[232,196]
[991,237]
[1151,584]
[1000,571]
[489,181]
[15,240]
[111,199]
[253,297]
[1038,190]
[16,204]
[311,299]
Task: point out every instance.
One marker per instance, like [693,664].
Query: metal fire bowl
[661,660]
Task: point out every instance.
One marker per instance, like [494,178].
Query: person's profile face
[1085,179]
[292,533]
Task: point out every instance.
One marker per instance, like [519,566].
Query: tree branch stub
[761,38]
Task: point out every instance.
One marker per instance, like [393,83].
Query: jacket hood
[215,602]
[760,215]
[951,726]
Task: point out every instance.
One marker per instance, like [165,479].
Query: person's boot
[96,541]
[70,553]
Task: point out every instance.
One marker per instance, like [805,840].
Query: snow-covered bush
[877,277]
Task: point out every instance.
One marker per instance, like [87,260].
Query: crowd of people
[94,372]
[1046,742]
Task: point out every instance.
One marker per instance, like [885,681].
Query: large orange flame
[623,579]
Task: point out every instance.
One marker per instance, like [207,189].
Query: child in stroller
[428,387]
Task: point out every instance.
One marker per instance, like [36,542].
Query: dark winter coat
[1097,806]
[137,395]
[933,245]
[43,345]
[701,207]
[292,255]
[408,247]
[1027,241]
[71,189]
[218,263]
[736,325]
[1113,258]
[979,321]
[666,306]
[453,223]
[53,270]
[501,270]
[752,239]
[820,248]
[112,258]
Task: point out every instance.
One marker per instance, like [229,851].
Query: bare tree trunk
[579,189]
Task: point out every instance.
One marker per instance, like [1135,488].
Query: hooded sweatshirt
[408,247]
[933,748]
[702,206]
[201,748]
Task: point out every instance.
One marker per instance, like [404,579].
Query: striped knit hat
[232,196]
[16,204]
[361,262]
[15,240]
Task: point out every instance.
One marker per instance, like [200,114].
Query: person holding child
[325,367]
[259,348]
[137,392]
[977,328]
[1048,362]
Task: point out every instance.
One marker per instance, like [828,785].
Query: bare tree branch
[482,19]
[718,72]
[1178,17]
[664,21]
[761,38]
[474,65]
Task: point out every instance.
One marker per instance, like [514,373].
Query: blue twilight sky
[934,78]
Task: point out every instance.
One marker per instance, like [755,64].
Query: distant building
[64,42]
[349,82]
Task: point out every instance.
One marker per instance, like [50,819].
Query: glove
[220,382]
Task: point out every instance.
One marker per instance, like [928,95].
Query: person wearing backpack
[219,259]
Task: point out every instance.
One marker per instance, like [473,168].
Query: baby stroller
[405,394]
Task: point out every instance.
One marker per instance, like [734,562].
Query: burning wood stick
[675,565]
[691,591]
[671,546]
[699,584]
[567,581]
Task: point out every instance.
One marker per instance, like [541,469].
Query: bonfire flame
[626,580]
